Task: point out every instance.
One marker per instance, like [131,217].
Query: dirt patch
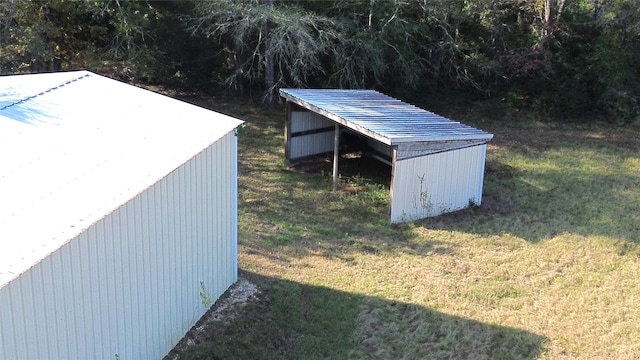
[227,308]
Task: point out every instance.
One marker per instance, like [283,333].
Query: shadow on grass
[288,320]
[576,182]
[570,183]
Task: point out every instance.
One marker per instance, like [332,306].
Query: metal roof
[382,117]
[74,146]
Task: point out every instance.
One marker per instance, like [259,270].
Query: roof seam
[43,92]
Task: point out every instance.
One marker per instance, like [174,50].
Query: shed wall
[309,134]
[130,284]
[434,184]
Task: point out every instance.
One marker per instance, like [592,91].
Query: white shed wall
[309,144]
[438,183]
[130,284]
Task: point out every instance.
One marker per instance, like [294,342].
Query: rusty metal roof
[382,117]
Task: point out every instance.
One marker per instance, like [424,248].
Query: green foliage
[45,36]
[269,45]
[566,57]
[204,296]
[555,237]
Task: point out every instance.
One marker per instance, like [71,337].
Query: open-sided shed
[437,164]
[118,215]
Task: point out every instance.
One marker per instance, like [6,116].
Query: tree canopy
[574,57]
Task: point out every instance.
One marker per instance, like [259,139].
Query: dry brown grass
[546,268]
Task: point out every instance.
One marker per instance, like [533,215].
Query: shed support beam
[336,155]
[287,131]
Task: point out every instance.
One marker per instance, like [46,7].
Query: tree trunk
[270,95]
[550,14]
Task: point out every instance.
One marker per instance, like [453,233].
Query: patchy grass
[547,267]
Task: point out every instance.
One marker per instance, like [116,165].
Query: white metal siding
[434,184]
[130,284]
[307,120]
[310,144]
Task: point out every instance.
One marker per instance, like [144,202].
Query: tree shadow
[298,211]
[289,320]
[295,205]
[30,112]
[565,197]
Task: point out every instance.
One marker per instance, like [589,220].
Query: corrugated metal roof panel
[382,117]
[74,146]
[16,89]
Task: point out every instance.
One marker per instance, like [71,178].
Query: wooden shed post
[287,131]
[392,185]
[336,155]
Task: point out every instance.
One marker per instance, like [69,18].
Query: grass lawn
[547,268]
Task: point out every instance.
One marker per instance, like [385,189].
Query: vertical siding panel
[98,284]
[209,261]
[225,221]
[130,298]
[129,284]
[60,291]
[146,305]
[311,144]
[206,212]
[37,298]
[171,254]
[143,220]
[82,275]
[50,317]
[158,251]
[182,281]
[25,307]
[197,182]
[234,200]
[157,246]
[187,243]
[185,247]
[165,280]
[139,286]
[215,267]
[109,255]
[7,337]
[191,241]
[451,179]
[153,293]
[6,319]
[15,307]
[217,194]
[208,215]
[123,270]
[193,238]
[203,201]
[232,218]
[444,187]
[217,262]
[71,272]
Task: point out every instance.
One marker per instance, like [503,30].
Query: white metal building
[118,206]
[437,164]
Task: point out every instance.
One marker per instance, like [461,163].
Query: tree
[270,42]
